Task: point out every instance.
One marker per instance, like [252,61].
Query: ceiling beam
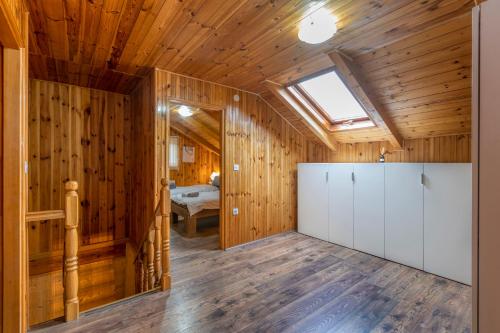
[352,78]
[295,106]
[195,137]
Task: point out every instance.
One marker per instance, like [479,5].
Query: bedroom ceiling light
[185,111]
[317,27]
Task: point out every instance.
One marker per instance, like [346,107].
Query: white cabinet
[313,200]
[447,220]
[416,214]
[341,204]
[404,209]
[369,208]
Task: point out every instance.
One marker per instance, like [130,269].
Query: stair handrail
[70,215]
[153,252]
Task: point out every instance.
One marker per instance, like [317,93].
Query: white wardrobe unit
[448,220]
[404,213]
[369,208]
[313,200]
[417,214]
[341,213]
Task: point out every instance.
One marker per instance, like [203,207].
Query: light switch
[236,167]
[235,211]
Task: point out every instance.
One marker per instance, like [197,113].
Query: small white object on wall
[188,154]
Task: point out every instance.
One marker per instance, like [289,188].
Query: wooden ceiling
[203,126]
[415,55]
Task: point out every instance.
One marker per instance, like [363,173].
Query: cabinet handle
[352,176]
[327,176]
[422,179]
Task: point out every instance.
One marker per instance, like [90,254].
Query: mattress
[194,205]
[194,188]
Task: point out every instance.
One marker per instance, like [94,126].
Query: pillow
[171,184]
[216,181]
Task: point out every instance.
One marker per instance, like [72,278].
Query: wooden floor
[286,283]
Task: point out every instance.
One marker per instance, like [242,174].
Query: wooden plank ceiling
[414,55]
[203,126]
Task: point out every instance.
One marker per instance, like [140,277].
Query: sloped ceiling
[203,126]
[414,55]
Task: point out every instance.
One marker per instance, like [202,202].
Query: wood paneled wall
[264,145]
[141,189]
[206,161]
[79,134]
[101,281]
[452,149]
[1,183]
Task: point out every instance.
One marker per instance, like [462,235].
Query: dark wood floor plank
[285,283]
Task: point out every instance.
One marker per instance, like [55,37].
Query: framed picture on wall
[187,154]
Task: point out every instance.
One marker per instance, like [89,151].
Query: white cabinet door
[404,210]
[313,200]
[369,208]
[448,220]
[341,204]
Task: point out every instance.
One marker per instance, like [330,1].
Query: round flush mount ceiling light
[185,111]
[317,27]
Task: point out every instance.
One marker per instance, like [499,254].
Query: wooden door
[341,204]
[313,200]
[448,220]
[369,208]
[404,213]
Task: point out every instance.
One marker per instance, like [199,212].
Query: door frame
[222,160]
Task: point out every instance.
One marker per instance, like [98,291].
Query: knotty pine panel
[1,182]
[141,189]
[266,147]
[78,134]
[100,282]
[445,149]
[206,162]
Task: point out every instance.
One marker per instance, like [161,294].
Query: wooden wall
[1,183]
[264,145]
[456,148]
[101,281]
[206,161]
[79,134]
[141,189]
[14,131]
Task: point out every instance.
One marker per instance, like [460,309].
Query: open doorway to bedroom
[195,177]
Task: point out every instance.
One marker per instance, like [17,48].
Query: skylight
[330,94]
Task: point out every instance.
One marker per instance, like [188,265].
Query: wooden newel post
[165,234]
[71,302]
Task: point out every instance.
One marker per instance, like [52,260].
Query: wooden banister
[165,234]
[152,259]
[71,302]
[45,215]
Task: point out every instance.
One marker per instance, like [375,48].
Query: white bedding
[206,200]
[194,188]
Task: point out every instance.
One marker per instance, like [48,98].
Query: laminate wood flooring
[285,283]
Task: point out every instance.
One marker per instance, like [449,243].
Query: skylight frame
[320,113]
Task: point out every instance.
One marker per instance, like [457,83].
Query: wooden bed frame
[190,222]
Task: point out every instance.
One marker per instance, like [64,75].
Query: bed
[207,204]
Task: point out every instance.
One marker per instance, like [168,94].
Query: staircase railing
[70,258]
[153,253]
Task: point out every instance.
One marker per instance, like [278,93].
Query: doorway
[196,145]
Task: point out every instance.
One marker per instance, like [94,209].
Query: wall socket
[236,167]
[235,211]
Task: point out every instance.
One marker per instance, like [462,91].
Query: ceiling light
[317,27]
[185,111]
